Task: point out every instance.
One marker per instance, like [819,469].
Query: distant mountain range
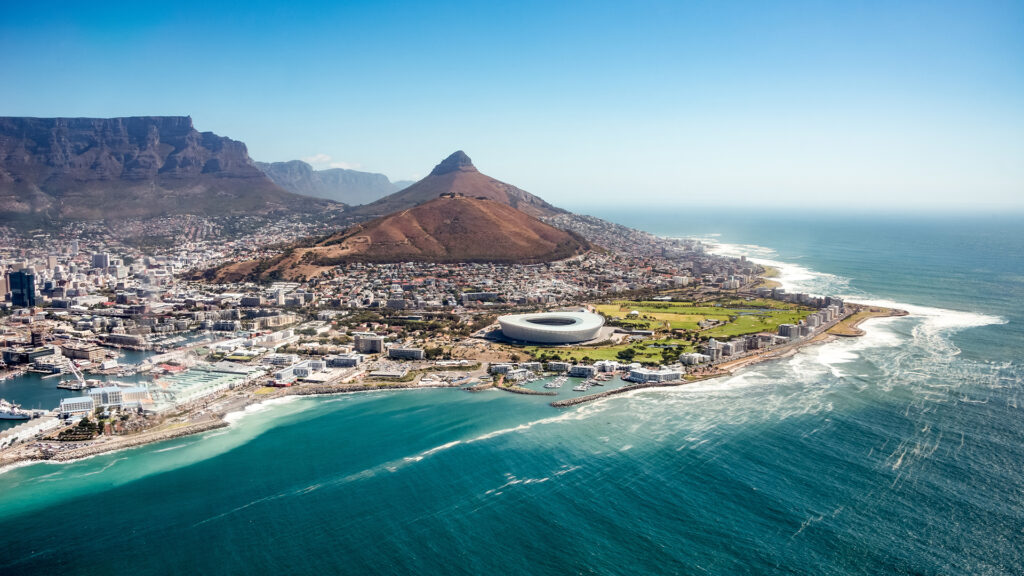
[457,175]
[114,168]
[469,217]
[338,184]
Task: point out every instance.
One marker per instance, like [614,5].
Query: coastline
[848,327]
[239,401]
[30,453]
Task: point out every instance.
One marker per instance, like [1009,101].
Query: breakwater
[525,391]
[131,442]
[307,390]
[591,397]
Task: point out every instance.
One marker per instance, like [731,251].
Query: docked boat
[10,411]
[553,384]
[581,387]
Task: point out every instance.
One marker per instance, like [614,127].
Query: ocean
[896,453]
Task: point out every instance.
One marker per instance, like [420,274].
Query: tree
[627,355]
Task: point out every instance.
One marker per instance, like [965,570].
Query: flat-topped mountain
[457,175]
[339,184]
[91,168]
[451,228]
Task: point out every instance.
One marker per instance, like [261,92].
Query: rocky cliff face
[347,186]
[86,168]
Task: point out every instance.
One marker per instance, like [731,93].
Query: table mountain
[92,168]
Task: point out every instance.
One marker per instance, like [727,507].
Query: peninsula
[123,338]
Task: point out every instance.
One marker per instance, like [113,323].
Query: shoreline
[849,327]
[32,453]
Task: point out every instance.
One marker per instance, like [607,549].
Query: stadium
[551,327]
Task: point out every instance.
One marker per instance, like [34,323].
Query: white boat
[581,388]
[10,411]
[553,384]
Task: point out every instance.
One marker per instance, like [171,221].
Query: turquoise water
[32,391]
[896,453]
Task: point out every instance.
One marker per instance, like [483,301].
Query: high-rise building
[74,248]
[100,260]
[23,289]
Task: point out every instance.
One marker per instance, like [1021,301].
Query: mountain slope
[91,168]
[340,185]
[457,175]
[447,229]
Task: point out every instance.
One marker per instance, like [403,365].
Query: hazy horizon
[907,106]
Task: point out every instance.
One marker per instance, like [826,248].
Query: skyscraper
[100,260]
[23,289]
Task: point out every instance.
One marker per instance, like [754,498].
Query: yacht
[553,384]
[10,411]
[581,387]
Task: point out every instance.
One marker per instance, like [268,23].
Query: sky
[912,106]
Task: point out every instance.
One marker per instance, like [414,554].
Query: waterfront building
[583,371]
[649,375]
[77,406]
[558,366]
[516,375]
[90,352]
[499,368]
[789,330]
[693,358]
[200,381]
[606,365]
[712,349]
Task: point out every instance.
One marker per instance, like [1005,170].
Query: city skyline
[909,106]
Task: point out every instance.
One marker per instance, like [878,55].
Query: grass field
[730,317]
[737,316]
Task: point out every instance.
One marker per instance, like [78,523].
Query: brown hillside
[457,175]
[446,229]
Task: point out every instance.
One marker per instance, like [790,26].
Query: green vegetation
[723,318]
[678,327]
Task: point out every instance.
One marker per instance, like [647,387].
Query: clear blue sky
[911,104]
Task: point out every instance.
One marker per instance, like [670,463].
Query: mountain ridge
[130,167]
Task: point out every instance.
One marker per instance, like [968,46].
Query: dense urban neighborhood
[129,326]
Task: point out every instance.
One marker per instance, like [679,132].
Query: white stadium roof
[551,327]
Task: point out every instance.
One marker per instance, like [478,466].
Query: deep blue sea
[896,453]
